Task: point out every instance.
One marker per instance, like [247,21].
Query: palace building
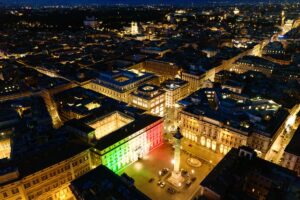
[118,84]
[149,97]
[164,70]
[119,134]
[176,89]
[256,64]
[194,77]
[220,120]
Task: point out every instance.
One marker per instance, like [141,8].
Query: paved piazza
[148,167]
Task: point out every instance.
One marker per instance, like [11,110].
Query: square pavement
[148,167]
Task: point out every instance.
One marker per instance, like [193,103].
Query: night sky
[131,2]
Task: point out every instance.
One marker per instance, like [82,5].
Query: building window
[221,148]
[47,189]
[74,164]
[208,143]
[214,145]
[15,190]
[203,140]
[39,193]
[67,167]
[4,194]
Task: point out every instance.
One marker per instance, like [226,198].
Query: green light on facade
[115,159]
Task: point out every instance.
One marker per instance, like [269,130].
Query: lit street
[286,132]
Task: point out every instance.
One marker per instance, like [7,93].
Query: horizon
[187,3]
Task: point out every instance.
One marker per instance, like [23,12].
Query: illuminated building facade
[236,11]
[282,18]
[164,70]
[210,133]
[194,78]
[159,51]
[288,25]
[46,175]
[134,28]
[291,155]
[8,120]
[104,125]
[254,63]
[118,136]
[233,86]
[273,48]
[149,97]
[176,89]
[275,52]
[118,84]
[212,118]
[129,149]
[5,147]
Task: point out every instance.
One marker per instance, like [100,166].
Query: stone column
[177,136]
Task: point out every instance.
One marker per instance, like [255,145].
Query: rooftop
[80,100]
[139,123]
[235,111]
[238,176]
[173,84]
[148,91]
[45,158]
[102,183]
[132,121]
[119,79]
[293,147]
[258,61]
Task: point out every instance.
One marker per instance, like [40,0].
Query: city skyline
[161,102]
[187,3]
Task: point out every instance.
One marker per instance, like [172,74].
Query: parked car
[184,173]
[171,190]
[163,172]
[151,180]
[159,182]
[162,184]
[188,183]
[193,179]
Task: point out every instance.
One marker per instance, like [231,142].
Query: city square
[148,167]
